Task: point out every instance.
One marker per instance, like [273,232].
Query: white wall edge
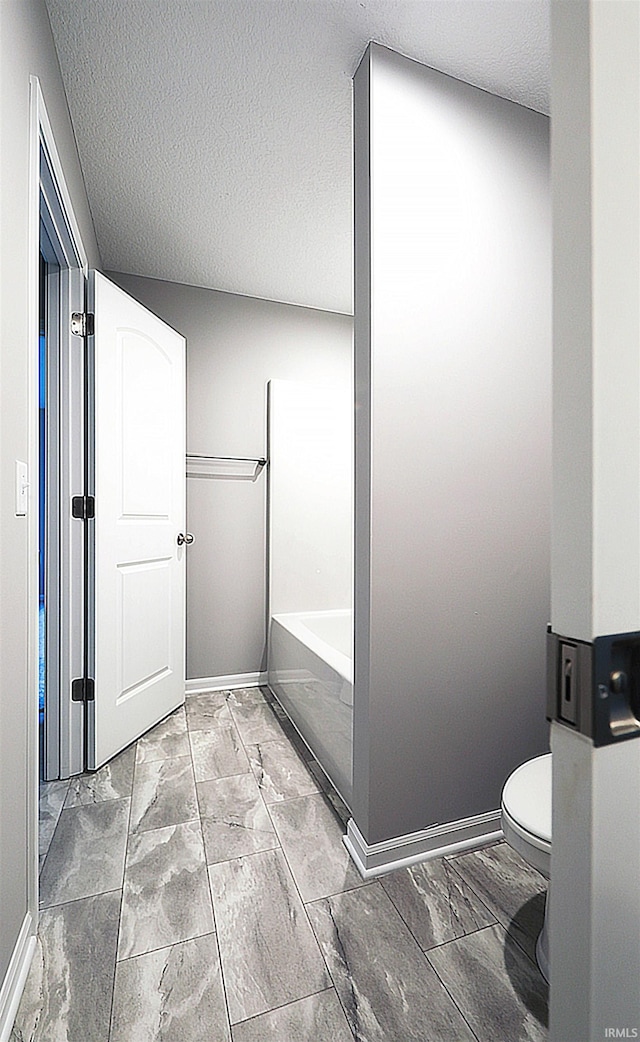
[201,685]
[14,981]
[455,837]
[39,126]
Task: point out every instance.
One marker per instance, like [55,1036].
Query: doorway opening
[60,473]
[48,512]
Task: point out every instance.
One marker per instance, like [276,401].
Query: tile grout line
[446,989]
[466,933]
[335,987]
[223,983]
[328,968]
[75,812]
[500,923]
[302,902]
[198,820]
[428,963]
[283,1005]
[414,941]
[46,852]
[503,933]
[304,905]
[251,854]
[124,871]
[165,947]
[87,897]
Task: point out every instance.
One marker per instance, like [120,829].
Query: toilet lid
[527,797]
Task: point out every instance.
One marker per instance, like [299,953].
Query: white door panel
[139,392]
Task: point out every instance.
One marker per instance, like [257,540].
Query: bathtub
[310,671]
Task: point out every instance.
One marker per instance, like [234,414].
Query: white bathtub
[311,674]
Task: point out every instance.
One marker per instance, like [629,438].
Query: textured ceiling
[215,135]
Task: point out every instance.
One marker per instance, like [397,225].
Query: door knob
[188,539]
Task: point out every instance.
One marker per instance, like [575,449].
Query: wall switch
[22,488]
[568,700]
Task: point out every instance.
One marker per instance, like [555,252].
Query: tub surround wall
[453,393]
[310,493]
[235,345]
[310,565]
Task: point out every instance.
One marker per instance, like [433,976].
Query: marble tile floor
[196,889]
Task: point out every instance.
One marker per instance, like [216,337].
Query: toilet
[526,823]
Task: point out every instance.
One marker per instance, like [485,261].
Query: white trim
[16,975]
[455,837]
[201,685]
[45,134]
[39,132]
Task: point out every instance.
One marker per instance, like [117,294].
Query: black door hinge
[83,507]
[83,689]
[82,323]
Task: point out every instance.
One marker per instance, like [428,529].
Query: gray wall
[453,378]
[26,47]
[236,344]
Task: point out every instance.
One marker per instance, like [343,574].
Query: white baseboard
[376,859]
[201,685]
[16,975]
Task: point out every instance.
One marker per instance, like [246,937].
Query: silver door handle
[188,539]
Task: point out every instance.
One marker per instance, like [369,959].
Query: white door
[138,655]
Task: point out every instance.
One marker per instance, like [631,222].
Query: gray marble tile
[506,885]
[166,898]
[51,801]
[235,820]
[318,1018]
[164,793]
[67,996]
[87,852]
[167,739]
[164,747]
[503,996]
[257,722]
[280,773]
[114,781]
[240,696]
[386,986]
[435,903]
[218,753]
[269,954]
[207,710]
[291,731]
[171,994]
[311,838]
[335,799]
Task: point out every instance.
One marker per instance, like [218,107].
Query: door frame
[51,274]
[52,191]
